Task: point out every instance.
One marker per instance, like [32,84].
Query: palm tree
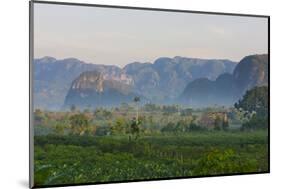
[136,100]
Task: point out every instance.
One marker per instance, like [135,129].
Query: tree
[102,114]
[119,127]
[255,100]
[135,128]
[181,126]
[90,130]
[170,127]
[79,123]
[255,107]
[194,127]
[59,128]
[255,123]
[136,100]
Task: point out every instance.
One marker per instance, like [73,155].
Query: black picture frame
[31,57]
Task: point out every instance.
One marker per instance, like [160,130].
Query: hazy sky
[121,36]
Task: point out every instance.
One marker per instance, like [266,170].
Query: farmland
[108,145]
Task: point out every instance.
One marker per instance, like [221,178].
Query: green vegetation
[136,142]
[77,159]
[255,100]
[255,104]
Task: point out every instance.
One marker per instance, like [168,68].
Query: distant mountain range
[187,81]
[162,81]
[251,71]
[53,79]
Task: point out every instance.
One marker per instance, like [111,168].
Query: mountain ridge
[250,72]
[160,81]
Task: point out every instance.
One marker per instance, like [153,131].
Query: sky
[114,36]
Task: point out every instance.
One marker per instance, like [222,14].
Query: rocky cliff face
[89,81]
[91,90]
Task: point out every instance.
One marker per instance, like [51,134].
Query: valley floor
[92,159]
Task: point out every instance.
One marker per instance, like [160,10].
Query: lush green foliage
[255,103]
[83,159]
[134,142]
[255,100]
[256,122]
